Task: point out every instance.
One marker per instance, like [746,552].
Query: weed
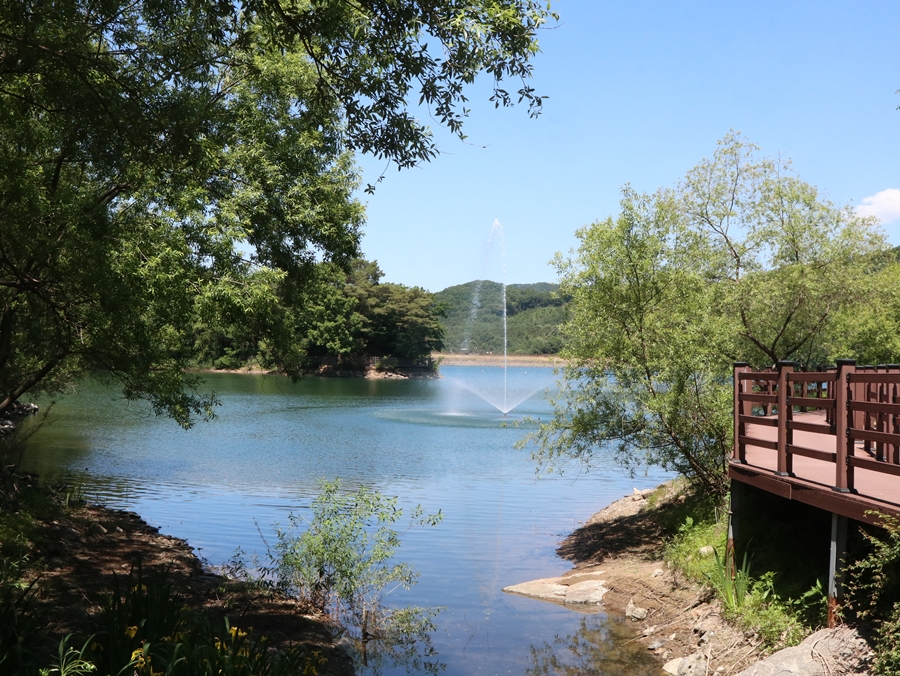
[71,661]
[731,584]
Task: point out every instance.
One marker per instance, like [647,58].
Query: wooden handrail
[862,404]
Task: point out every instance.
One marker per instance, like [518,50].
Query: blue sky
[638,93]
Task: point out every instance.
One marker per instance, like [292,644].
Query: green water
[430,442]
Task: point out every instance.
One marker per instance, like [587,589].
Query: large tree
[743,261]
[167,157]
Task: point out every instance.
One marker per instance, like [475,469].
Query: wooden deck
[830,439]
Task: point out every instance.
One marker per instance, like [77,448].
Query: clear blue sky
[639,92]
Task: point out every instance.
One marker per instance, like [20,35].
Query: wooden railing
[861,408]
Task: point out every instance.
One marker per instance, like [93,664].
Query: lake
[435,442]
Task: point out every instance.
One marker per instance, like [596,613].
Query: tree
[393,320]
[742,262]
[147,146]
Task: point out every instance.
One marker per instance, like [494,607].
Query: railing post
[843,421]
[738,451]
[785,464]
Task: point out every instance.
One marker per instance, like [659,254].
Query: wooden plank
[874,465]
[874,377]
[812,377]
[757,398]
[847,504]
[815,428]
[812,453]
[758,420]
[761,443]
[759,375]
[874,407]
[811,402]
[764,481]
[871,435]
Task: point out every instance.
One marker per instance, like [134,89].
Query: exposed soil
[621,547]
[450,359]
[83,550]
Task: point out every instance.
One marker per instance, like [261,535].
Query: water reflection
[428,442]
[602,646]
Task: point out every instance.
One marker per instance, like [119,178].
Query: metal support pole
[836,563]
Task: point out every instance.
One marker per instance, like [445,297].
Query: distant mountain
[474,321]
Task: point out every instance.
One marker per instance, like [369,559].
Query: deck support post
[836,562]
[843,477]
[734,517]
[785,460]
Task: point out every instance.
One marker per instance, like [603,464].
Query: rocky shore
[619,569]
[15,412]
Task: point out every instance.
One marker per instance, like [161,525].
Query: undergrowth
[746,584]
[143,629]
[873,590]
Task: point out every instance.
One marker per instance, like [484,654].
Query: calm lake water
[429,442]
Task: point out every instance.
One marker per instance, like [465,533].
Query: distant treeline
[349,314]
[473,320]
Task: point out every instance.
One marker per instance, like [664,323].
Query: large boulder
[826,653]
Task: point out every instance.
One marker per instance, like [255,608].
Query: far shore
[456,359]
[442,358]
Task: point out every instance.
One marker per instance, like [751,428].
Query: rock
[96,529]
[657,572]
[634,612]
[549,589]
[66,533]
[671,667]
[705,625]
[829,651]
[706,551]
[589,591]
[655,645]
[693,665]
[649,631]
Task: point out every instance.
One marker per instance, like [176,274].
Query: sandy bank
[450,359]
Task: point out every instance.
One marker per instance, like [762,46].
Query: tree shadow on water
[602,645]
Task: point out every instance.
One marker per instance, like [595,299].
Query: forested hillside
[474,317]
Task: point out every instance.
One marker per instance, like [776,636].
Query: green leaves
[341,561]
[159,155]
[742,262]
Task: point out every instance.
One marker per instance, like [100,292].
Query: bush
[340,561]
[873,592]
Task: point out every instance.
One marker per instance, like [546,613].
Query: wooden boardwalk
[830,439]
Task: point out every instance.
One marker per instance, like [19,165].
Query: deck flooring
[872,490]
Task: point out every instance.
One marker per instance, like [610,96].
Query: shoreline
[440,359]
[530,360]
[85,548]
[618,568]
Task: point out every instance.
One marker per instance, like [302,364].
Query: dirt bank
[619,569]
[81,550]
[449,359]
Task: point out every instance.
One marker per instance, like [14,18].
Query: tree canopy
[164,158]
[743,261]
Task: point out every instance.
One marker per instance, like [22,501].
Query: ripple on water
[427,442]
